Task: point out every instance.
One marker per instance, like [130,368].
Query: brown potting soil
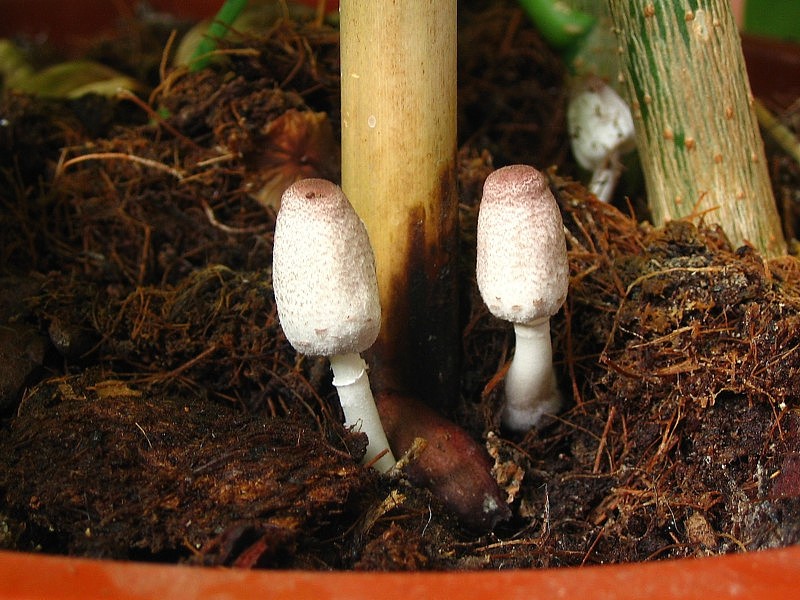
[153,409]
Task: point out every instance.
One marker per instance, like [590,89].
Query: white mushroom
[523,275]
[601,130]
[323,274]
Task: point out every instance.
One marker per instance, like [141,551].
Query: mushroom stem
[358,405]
[531,390]
[604,178]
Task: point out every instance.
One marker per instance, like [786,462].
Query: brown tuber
[452,465]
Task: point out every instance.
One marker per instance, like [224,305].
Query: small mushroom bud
[601,130]
[323,274]
[523,275]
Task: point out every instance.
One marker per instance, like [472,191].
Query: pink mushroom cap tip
[522,266]
[323,272]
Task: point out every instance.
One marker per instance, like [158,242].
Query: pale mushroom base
[355,396]
[531,390]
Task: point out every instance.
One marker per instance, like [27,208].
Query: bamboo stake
[696,128]
[399,171]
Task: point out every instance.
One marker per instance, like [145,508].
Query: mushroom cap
[599,123]
[522,267]
[323,272]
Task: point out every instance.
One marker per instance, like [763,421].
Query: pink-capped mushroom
[523,276]
[326,291]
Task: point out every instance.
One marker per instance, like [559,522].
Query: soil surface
[153,410]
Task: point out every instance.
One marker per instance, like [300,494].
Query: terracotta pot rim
[764,574]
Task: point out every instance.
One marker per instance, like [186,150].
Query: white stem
[530,385]
[355,396]
[604,178]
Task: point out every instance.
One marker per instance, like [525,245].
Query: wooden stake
[398,62]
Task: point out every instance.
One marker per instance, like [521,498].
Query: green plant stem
[216,31]
[778,131]
[560,25]
[696,129]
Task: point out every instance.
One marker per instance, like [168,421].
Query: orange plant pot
[760,575]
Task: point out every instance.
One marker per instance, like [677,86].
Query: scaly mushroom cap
[323,272]
[522,267]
